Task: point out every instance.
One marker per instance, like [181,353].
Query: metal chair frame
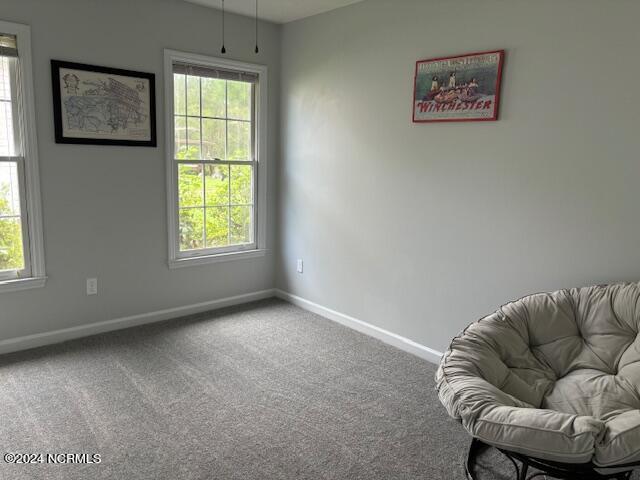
[547,468]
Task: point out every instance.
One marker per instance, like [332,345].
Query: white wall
[421,229]
[105,207]
[418,229]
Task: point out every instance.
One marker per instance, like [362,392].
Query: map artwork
[103,106]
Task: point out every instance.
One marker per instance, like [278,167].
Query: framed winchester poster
[464,88]
[103,106]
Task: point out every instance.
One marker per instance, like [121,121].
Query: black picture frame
[56,65]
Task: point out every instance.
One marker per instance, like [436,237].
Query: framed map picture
[465,88]
[103,106]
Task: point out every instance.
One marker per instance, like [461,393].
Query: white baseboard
[57,336]
[381,334]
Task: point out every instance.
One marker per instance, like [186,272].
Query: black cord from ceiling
[257,49]
[223,50]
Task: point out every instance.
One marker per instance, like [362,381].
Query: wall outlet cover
[92,286]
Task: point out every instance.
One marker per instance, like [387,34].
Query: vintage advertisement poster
[101,105]
[457,89]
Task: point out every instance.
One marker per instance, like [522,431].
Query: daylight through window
[214,138]
[14,257]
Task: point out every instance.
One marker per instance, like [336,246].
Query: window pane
[239,100]
[179,94]
[191,228]
[213,133]
[239,141]
[214,121]
[181,138]
[217,184]
[217,227]
[190,188]
[9,189]
[7,147]
[11,253]
[193,95]
[213,101]
[193,139]
[241,184]
[5,80]
[240,225]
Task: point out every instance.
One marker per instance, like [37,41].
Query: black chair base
[523,464]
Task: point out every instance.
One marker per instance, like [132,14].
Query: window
[215,166]
[21,256]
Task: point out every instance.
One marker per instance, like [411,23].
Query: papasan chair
[553,382]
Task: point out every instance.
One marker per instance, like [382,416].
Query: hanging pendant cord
[257,49]
[223,50]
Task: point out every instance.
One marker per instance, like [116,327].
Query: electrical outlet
[92,286]
[300,266]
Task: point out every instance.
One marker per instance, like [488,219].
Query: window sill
[218,258]
[22,284]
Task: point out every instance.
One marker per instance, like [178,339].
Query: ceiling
[278,11]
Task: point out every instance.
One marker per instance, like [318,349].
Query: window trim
[176,259]
[27,131]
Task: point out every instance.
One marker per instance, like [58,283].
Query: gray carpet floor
[263,391]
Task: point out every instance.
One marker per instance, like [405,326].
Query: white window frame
[33,275]
[179,259]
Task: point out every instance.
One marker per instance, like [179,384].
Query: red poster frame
[495,116]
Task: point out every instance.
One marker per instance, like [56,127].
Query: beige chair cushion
[554,376]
